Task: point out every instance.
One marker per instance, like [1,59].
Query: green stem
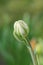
[37,59]
[34,60]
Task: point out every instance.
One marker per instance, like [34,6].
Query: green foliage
[31,11]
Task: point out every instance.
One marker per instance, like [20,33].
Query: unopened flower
[21,30]
[39,48]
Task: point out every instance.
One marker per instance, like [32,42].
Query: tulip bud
[21,30]
[39,49]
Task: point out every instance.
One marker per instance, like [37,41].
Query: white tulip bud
[21,30]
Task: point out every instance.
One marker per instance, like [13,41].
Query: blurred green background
[13,52]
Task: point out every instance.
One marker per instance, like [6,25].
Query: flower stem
[37,59]
[34,60]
